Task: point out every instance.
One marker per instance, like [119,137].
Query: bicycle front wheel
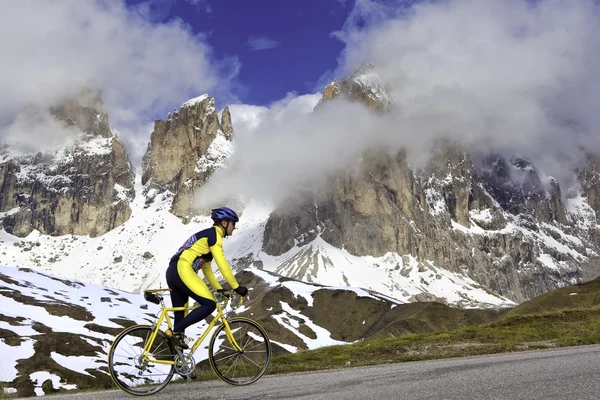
[134,373]
[245,366]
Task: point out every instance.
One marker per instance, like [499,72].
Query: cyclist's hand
[241,290]
[223,292]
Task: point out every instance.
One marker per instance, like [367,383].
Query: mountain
[82,187]
[465,229]
[491,218]
[56,332]
[134,257]
[185,150]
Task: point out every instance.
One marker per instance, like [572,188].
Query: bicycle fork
[230,337]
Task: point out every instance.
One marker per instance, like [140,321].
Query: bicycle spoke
[245,367]
[258,344]
[135,372]
[226,357]
[249,359]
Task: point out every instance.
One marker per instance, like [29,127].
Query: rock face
[185,150]
[490,217]
[83,188]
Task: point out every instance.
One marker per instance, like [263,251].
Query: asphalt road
[568,373]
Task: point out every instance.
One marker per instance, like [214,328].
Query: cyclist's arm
[210,276]
[219,257]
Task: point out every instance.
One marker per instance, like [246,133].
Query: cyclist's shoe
[177,338]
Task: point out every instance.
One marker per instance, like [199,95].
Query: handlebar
[227,297]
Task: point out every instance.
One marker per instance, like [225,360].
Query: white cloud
[24,133]
[509,76]
[286,148]
[51,49]
[256,43]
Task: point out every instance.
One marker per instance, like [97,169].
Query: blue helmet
[224,213]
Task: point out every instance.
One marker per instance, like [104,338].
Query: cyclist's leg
[178,298]
[193,286]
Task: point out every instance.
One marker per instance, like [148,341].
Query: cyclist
[182,274]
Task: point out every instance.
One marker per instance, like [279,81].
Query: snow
[38,378]
[391,275]
[9,212]
[194,101]
[12,354]
[375,88]
[549,262]
[472,230]
[290,348]
[291,321]
[95,146]
[435,201]
[581,212]
[306,290]
[78,363]
[121,193]
[216,155]
[481,215]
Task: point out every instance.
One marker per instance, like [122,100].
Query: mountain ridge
[458,230]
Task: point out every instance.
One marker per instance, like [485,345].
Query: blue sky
[501,74]
[282,45]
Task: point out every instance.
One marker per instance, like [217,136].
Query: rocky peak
[331,90]
[226,124]
[185,150]
[85,110]
[82,188]
[363,85]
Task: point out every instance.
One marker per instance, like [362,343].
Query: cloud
[201,5]
[273,151]
[256,43]
[143,68]
[511,76]
[515,77]
[154,10]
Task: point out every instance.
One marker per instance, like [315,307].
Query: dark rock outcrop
[83,188]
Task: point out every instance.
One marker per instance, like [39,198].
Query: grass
[515,332]
[510,333]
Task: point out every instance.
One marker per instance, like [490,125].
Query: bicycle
[142,359]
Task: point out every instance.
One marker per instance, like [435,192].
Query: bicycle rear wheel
[240,367]
[127,368]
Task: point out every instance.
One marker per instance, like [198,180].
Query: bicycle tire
[252,362]
[127,370]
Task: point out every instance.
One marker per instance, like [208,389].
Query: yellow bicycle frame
[164,315]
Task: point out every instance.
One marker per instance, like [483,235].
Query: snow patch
[194,101]
[217,154]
